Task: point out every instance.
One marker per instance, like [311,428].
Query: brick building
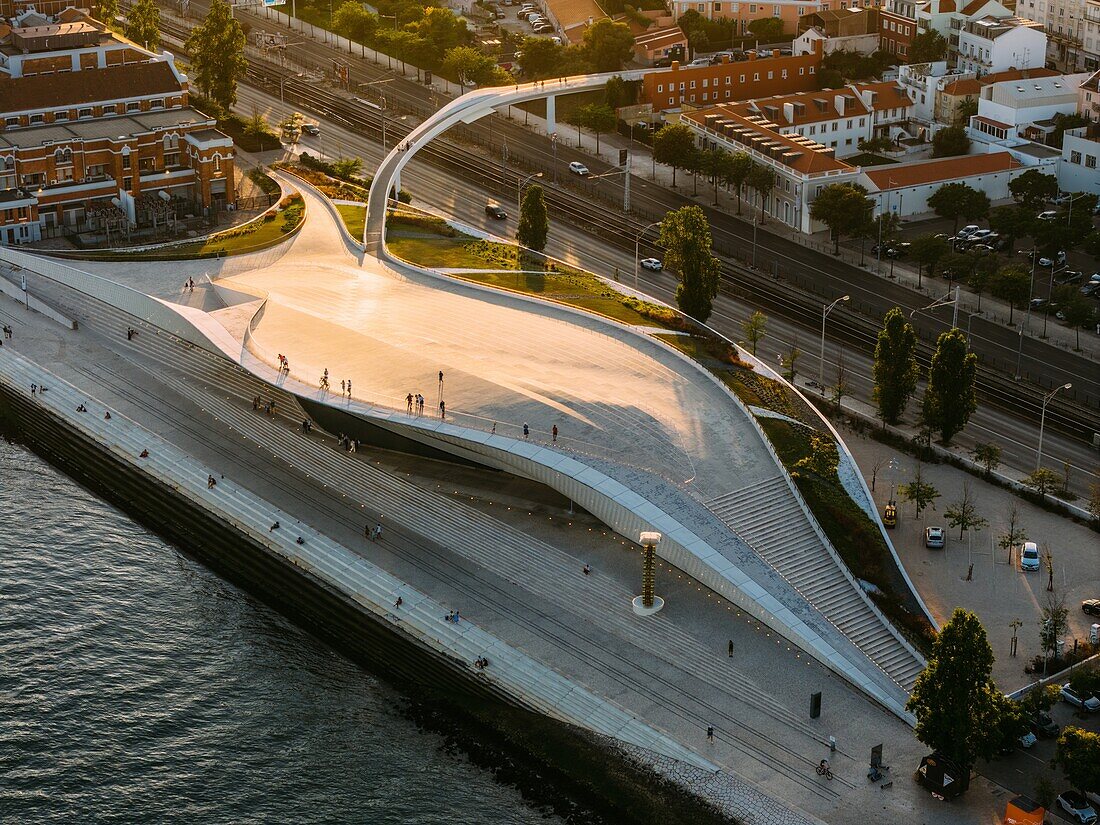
[97,134]
[730,81]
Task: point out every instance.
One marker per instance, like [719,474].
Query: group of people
[130,333]
[481,663]
[416,401]
[284,365]
[453,617]
[189,285]
[350,445]
[268,406]
[374,533]
[7,331]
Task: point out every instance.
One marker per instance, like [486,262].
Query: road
[465,201]
[807,277]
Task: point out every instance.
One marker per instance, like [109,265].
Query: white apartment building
[1073,39]
[1024,108]
[991,44]
[1079,166]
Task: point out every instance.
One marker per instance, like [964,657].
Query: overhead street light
[519,191]
[825,314]
[1043,421]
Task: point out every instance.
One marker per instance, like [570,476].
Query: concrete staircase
[769,518]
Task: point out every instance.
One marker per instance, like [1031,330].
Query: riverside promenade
[505,551]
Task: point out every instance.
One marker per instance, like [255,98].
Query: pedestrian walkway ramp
[769,518]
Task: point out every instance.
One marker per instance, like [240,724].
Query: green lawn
[354,217]
[256,235]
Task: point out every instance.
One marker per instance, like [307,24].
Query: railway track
[790,295]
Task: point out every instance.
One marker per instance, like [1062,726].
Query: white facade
[922,82]
[1073,39]
[910,201]
[1079,166]
[988,45]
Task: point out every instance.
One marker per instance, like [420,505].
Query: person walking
[376,534]
[343,387]
[710,733]
[526,430]
[443,410]
[554,433]
[409,403]
[399,602]
[349,388]
[729,648]
[587,569]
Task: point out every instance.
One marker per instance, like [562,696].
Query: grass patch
[854,535]
[354,218]
[330,187]
[267,231]
[246,139]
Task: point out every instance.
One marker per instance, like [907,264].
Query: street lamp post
[519,191]
[638,249]
[825,314]
[1043,421]
[1027,316]
[1050,293]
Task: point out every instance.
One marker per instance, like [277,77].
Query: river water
[137,686]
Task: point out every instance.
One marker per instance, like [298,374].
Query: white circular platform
[642,610]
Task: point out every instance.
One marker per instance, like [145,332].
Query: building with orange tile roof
[957,99]
[789,11]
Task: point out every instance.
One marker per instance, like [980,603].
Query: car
[578,168]
[1058,259]
[311,129]
[890,515]
[967,231]
[1027,740]
[1047,215]
[700,61]
[1075,804]
[1091,607]
[555,40]
[1029,556]
[1067,276]
[652,264]
[897,250]
[543,28]
[1043,725]
[979,235]
[1079,700]
[1038,303]
[493,210]
[983,248]
[1091,288]
[934,538]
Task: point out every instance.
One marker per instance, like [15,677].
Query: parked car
[890,515]
[311,129]
[1047,215]
[934,538]
[1058,259]
[1067,276]
[1043,725]
[1027,740]
[1075,804]
[1078,700]
[652,264]
[897,250]
[979,235]
[1091,607]
[1038,303]
[967,230]
[1029,556]
[578,168]
[700,61]
[543,28]
[1091,288]
[493,210]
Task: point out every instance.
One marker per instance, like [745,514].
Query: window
[836,125]
[706,82]
[693,84]
[127,184]
[59,116]
[862,122]
[96,171]
[847,141]
[771,75]
[812,70]
[705,97]
[756,77]
[64,174]
[681,86]
[126,163]
[729,78]
[849,126]
[727,94]
[660,88]
[775,11]
[1090,161]
[171,159]
[783,74]
[801,70]
[742,78]
[63,156]
[701,7]
[133,106]
[670,102]
[717,6]
[37,120]
[11,122]
[157,104]
[752,8]
[80,113]
[813,130]
[217,162]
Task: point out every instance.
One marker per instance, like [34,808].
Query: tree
[840,385]
[956,703]
[1014,535]
[762,180]
[534,222]
[950,142]
[608,45]
[988,455]
[754,328]
[927,47]
[354,22]
[895,367]
[882,143]
[949,398]
[1076,310]
[1010,723]
[982,273]
[107,11]
[599,119]
[823,458]
[767,29]
[1043,481]
[1013,285]
[674,145]
[468,66]
[957,200]
[441,28]
[1053,622]
[217,55]
[922,494]
[1032,189]
[713,163]
[842,207]
[1011,222]
[963,513]
[789,362]
[1041,698]
[619,93]
[927,250]
[1078,755]
[685,235]
[347,168]
[540,57]
[143,24]
[740,167]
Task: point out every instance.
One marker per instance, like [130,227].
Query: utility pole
[626,185]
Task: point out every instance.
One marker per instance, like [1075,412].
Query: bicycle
[824,770]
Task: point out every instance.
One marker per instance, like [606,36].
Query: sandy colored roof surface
[571,13]
[946,169]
